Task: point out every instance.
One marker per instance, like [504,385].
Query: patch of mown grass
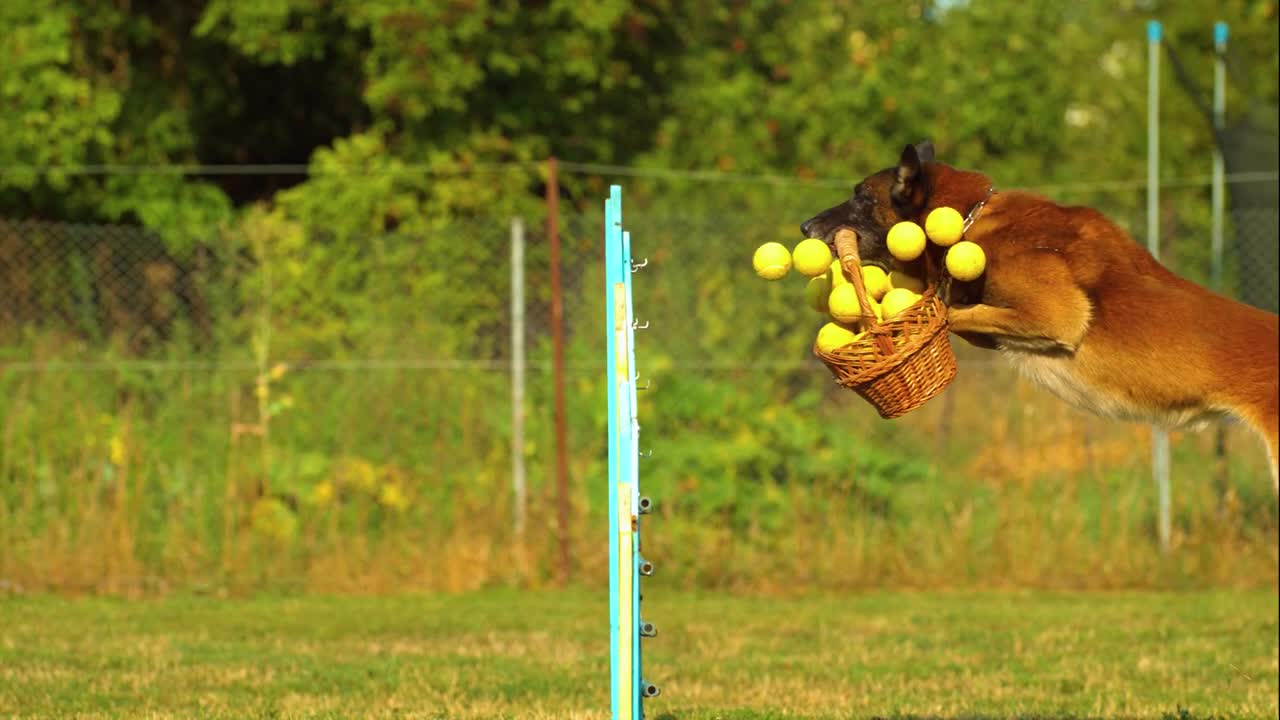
[544,655]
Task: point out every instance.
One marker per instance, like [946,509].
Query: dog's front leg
[1010,326]
[1033,303]
[986,342]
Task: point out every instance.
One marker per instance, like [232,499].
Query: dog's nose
[808,226]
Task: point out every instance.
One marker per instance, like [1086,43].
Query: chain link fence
[120,288]
[381,365]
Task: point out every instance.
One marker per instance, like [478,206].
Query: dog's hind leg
[1265,421]
[1270,427]
[1271,436]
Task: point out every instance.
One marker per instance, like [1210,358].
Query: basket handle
[846,242]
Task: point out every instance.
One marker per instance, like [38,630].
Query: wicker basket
[901,363]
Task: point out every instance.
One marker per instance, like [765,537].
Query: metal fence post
[1219,109]
[1218,206]
[519,490]
[1159,437]
[557,367]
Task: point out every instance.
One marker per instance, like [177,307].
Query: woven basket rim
[918,337]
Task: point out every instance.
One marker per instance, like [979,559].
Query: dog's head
[903,192]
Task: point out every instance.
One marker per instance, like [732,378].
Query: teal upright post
[627,686]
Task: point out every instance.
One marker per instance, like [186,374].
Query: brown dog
[1077,305]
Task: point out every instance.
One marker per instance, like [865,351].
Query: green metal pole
[1159,436]
[1219,171]
[1218,204]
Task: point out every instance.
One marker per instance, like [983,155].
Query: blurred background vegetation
[255,279]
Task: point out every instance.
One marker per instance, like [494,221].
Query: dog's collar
[977,210]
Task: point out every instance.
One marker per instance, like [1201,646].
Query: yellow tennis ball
[897,300]
[966,261]
[906,241]
[944,226]
[900,279]
[816,292]
[812,257]
[875,281]
[832,336]
[771,261]
[837,274]
[843,304]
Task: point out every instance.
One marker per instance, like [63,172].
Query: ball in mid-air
[832,336]
[897,300]
[811,257]
[816,292]
[966,261]
[906,241]
[771,261]
[944,226]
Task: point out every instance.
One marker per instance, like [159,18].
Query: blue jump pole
[633,432]
[611,254]
[627,686]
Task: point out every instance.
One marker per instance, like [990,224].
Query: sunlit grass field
[544,655]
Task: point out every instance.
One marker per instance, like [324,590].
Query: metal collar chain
[977,210]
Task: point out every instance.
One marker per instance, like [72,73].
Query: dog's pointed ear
[924,150]
[909,177]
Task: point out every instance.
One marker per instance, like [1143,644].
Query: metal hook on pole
[635,325]
[638,265]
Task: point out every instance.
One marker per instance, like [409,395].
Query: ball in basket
[816,292]
[833,336]
[843,304]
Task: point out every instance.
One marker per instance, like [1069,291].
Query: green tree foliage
[1035,92]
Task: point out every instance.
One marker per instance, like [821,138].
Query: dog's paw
[957,313]
[945,290]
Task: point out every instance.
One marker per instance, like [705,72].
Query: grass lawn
[545,655]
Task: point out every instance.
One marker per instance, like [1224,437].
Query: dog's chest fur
[1062,376]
